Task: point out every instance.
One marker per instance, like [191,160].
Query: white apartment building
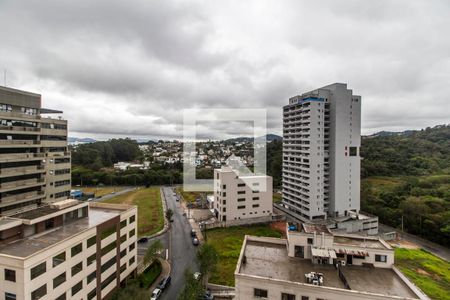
[67,250]
[313,264]
[241,197]
[321,153]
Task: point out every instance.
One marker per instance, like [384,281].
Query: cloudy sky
[130,68]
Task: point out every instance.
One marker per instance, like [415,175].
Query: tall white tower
[321,144]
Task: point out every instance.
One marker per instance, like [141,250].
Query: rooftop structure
[266,268]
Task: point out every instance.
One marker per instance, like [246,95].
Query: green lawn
[101,191]
[150,211]
[188,196]
[430,273]
[228,242]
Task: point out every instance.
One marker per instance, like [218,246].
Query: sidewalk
[194,225]
[165,271]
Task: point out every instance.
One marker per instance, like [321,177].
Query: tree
[152,252]
[192,288]
[208,257]
[169,214]
[132,290]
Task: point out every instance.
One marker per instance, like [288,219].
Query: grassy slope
[101,191]
[150,211]
[188,196]
[228,242]
[428,272]
[277,198]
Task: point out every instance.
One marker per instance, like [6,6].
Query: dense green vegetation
[150,274]
[413,153]
[430,273]
[228,243]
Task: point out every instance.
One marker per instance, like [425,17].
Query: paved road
[109,196]
[182,253]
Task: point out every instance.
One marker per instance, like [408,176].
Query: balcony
[52,131]
[18,115]
[21,184]
[19,143]
[4,201]
[54,143]
[17,171]
[12,157]
[19,130]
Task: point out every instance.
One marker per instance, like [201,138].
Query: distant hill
[72,140]
[392,133]
[269,138]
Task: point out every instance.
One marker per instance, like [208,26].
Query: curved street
[182,254]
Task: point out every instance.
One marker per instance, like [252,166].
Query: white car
[156,293]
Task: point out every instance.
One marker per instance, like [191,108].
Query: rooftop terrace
[271,260]
[31,245]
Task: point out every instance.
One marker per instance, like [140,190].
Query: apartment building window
[108,264]
[224,186]
[108,280]
[285,296]
[241,199]
[91,259]
[241,192]
[380,258]
[76,249]
[305,298]
[108,248]
[107,232]
[260,293]
[255,205]
[224,202]
[10,275]
[131,248]
[255,192]
[241,207]
[92,294]
[91,241]
[58,280]
[59,259]
[77,287]
[39,293]
[310,241]
[353,151]
[38,270]
[123,253]
[132,233]
[91,277]
[10,296]
[224,194]
[224,209]
[77,268]
[123,268]
[62,297]
[123,238]
[241,184]
[132,219]
[131,261]
[123,223]
[255,198]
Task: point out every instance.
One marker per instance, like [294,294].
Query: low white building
[67,250]
[312,263]
[242,197]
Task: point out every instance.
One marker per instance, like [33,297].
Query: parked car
[142,240]
[195,241]
[156,294]
[207,296]
[193,233]
[164,282]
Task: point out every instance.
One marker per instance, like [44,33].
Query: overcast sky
[129,68]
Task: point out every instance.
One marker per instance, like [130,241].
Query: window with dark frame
[260,293]
[10,275]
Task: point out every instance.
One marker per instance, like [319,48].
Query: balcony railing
[22,197]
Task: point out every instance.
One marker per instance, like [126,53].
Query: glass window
[77,287]
[62,297]
[260,293]
[132,219]
[91,277]
[39,293]
[380,258]
[91,259]
[10,296]
[109,248]
[91,241]
[76,249]
[285,296]
[131,261]
[59,259]
[92,294]
[10,275]
[108,231]
[58,280]
[123,223]
[132,233]
[77,268]
[132,246]
[38,270]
